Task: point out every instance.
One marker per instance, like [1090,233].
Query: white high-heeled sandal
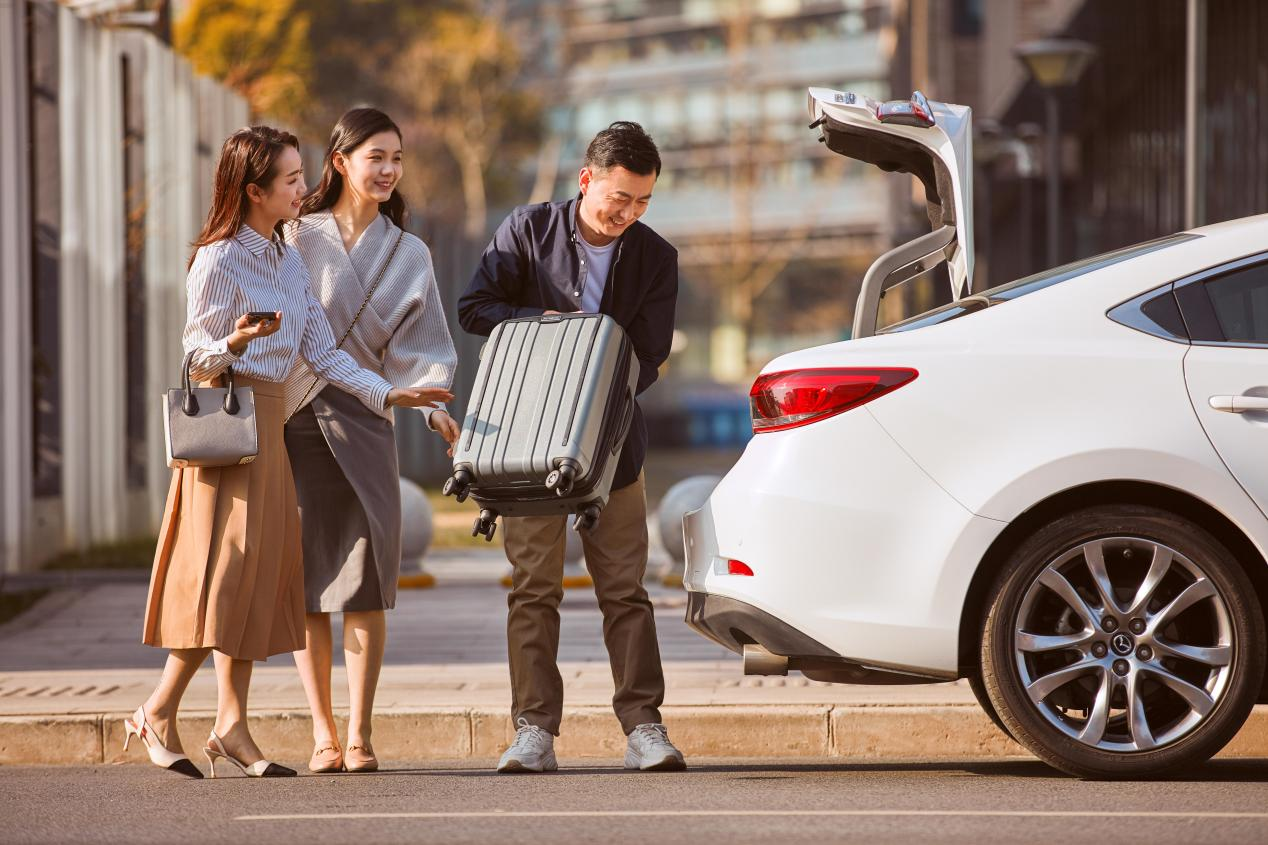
[159,755]
[215,749]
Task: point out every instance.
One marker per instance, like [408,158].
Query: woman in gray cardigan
[370,275]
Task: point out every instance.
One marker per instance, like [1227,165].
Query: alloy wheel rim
[1123,644]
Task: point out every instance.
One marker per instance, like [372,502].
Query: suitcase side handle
[627,418]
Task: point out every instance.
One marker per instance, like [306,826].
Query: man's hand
[245,331]
[446,427]
[418,397]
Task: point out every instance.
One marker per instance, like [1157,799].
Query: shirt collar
[255,244]
[573,209]
[571,214]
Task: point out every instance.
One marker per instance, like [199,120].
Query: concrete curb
[883,732]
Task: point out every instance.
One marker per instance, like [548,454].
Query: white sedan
[1056,488]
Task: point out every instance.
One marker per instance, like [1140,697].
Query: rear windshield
[1030,284]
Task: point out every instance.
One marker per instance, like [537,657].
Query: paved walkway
[79,651]
[72,666]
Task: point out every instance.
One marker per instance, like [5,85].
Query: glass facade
[765,218]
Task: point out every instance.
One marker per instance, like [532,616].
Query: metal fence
[108,144]
[1123,173]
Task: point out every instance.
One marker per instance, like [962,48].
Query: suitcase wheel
[587,519]
[561,480]
[486,524]
[458,485]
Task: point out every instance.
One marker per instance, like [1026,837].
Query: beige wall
[981,72]
[1005,24]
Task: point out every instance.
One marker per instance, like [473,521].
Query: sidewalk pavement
[73,666]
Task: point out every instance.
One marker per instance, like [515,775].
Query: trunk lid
[933,141]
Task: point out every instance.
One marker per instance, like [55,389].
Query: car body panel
[829,553]
[1212,371]
[994,382]
[866,529]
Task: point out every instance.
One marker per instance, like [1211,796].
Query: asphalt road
[732,802]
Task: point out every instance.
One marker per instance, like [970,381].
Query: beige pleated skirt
[229,567]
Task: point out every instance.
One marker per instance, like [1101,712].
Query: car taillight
[780,401]
[913,112]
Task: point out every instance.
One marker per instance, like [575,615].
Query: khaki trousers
[616,555]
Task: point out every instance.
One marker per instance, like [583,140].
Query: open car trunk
[930,140]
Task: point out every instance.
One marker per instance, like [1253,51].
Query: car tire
[984,701]
[1158,676]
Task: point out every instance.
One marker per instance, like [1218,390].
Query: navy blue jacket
[533,265]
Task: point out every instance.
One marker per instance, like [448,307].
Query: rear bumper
[732,623]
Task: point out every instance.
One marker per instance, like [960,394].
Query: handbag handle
[189,405]
[374,285]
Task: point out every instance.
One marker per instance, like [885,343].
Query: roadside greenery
[12,604]
[137,553]
[450,72]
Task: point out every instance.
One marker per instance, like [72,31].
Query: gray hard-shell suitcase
[549,411]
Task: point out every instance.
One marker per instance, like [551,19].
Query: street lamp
[1054,63]
[994,142]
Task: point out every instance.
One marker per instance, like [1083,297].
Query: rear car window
[1240,300]
[1038,281]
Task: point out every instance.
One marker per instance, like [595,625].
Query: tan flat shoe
[358,758]
[326,759]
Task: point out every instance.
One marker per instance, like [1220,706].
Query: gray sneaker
[649,749]
[532,751]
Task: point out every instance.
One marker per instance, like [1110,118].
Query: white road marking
[590,814]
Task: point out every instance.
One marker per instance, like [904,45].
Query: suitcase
[552,402]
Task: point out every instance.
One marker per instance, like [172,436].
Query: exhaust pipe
[759,661]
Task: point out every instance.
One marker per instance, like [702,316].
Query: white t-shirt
[598,260]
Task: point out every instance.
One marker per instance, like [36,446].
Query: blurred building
[773,231]
[107,142]
[1123,127]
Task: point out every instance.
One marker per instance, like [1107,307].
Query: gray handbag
[209,426]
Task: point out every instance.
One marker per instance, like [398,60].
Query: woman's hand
[418,397]
[445,427]
[247,330]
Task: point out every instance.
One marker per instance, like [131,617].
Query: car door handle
[1239,404]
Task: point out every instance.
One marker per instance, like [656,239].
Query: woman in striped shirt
[228,573]
[376,283]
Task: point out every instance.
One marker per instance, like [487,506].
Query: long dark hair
[353,129]
[248,157]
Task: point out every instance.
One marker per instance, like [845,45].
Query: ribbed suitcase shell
[549,389]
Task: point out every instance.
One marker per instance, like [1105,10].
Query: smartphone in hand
[254,317]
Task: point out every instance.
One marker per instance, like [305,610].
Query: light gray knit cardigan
[402,335]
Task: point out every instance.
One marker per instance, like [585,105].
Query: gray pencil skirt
[343,456]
